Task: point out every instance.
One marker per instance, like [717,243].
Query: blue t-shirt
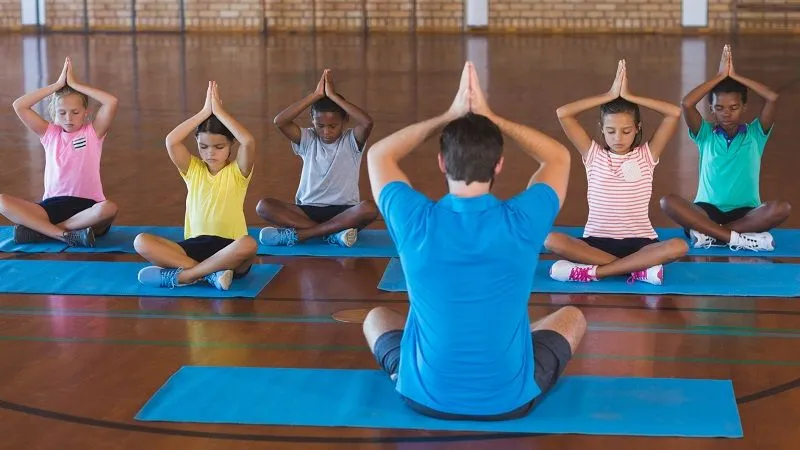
[469,266]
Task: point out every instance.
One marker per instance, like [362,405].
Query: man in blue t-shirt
[467,350]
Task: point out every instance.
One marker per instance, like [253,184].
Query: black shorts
[59,209]
[551,353]
[322,214]
[200,248]
[619,247]
[719,216]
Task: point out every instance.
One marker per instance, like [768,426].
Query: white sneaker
[700,240]
[653,275]
[221,279]
[755,242]
[568,271]
[344,238]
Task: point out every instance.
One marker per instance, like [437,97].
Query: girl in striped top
[618,238]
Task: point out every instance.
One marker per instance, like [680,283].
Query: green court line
[363,348]
[705,330]
[546,305]
[698,331]
[164,315]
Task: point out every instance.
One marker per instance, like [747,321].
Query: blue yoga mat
[370,244]
[787,243]
[712,279]
[367,399]
[114,278]
[7,244]
[120,238]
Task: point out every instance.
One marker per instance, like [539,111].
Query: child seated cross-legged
[728,210]
[74,209]
[618,238]
[216,248]
[327,203]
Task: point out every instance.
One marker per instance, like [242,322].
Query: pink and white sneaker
[568,271]
[653,275]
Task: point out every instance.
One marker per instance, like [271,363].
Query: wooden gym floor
[74,370]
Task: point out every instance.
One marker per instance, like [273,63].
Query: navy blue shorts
[200,248]
[551,353]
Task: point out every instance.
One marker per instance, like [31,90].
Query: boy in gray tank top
[327,202]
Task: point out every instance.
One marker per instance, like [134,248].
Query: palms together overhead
[470,96]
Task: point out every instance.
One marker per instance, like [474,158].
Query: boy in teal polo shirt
[728,208]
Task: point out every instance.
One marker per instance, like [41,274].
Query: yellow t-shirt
[215,203]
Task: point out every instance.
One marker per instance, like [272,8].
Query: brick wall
[634,15]
[10,15]
[339,15]
[401,15]
[109,14]
[588,15]
[780,19]
[440,15]
[157,15]
[389,15]
[64,14]
[223,15]
[289,14]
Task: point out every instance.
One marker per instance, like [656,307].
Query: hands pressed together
[470,98]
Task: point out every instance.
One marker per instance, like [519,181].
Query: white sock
[736,240]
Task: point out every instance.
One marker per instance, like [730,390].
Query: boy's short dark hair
[728,86]
[325,104]
[471,147]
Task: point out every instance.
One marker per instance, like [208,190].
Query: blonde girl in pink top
[618,238]
[73,209]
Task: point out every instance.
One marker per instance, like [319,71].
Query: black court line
[79,420]
[769,392]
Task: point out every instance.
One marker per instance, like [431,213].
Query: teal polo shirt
[730,166]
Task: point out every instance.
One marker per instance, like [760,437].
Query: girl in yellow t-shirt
[216,246]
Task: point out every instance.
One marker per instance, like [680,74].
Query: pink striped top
[619,191]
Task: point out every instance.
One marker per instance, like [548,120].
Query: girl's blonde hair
[63,92]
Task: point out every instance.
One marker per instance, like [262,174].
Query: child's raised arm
[245,158]
[285,119]
[692,117]
[767,115]
[108,103]
[23,106]
[552,156]
[566,114]
[364,121]
[178,152]
[669,124]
